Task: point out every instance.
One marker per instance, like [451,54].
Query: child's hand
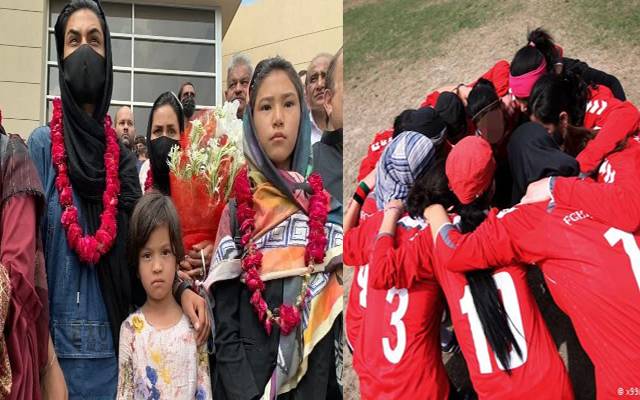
[195,307]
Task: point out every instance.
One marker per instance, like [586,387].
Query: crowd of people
[531,166]
[100,299]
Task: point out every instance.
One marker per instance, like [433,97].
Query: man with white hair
[238,79]
[315,86]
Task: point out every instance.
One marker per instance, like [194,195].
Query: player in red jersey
[615,189]
[509,351]
[592,271]
[573,112]
[541,56]
[394,333]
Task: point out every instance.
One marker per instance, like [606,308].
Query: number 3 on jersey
[507,288]
[392,354]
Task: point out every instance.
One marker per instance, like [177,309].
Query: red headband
[521,85]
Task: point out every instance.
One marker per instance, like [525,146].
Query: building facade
[294,29]
[156,45]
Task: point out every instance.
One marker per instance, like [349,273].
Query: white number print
[507,288]
[630,246]
[361,279]
[394,355]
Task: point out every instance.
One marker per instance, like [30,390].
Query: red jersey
[538,374]
[397,348]
[374,151]
[612,119]
[592,271]
[615,198]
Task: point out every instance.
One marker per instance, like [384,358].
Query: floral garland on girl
[287,316]
[89,248]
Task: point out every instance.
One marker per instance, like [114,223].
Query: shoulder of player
[381,139]
[627,158]
[524,216]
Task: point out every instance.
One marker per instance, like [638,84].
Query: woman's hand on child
[195,307]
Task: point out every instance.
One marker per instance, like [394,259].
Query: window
[154,49]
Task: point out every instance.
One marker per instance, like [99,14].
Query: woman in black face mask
[166,124]
[90,188]
[187,95]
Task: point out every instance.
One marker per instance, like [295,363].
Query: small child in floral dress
[159,357]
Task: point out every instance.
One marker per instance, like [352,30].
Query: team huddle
[533,165]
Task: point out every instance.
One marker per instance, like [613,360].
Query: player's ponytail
[539,47]
[491,311]
[433,188]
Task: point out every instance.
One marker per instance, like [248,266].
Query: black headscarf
[85,144]
[451,109]
[533,155]
[157,163]
[424,120]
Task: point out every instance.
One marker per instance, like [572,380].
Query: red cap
[470,167]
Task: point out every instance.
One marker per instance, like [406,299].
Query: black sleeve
[592,75]
[232,364]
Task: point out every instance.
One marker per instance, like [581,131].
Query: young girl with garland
[159,356]
[276,300]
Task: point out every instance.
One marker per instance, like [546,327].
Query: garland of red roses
[287,316]
[89,248]
[148,182]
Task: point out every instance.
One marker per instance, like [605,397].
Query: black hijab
[423,120]
[533,155]
[158,162]
[85,144]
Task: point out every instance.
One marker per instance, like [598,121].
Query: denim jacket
[80,326]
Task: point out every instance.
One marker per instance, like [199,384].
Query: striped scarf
[402,161]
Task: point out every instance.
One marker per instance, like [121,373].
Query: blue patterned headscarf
[402,161]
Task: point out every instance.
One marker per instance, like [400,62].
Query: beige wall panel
[23,127]
[21,64]
[21,28]
[269,21]
[31,5]
[20,100]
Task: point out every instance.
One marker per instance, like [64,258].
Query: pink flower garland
[287,316]
[89,248]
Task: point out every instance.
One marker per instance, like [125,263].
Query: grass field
[397,51]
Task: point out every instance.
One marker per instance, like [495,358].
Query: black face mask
[158,156]
[189,106]
[84,74]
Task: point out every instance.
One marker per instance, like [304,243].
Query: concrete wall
[294,29]
[22,25]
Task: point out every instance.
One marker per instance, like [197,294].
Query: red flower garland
[148,182]
[287,316]
[88,247]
